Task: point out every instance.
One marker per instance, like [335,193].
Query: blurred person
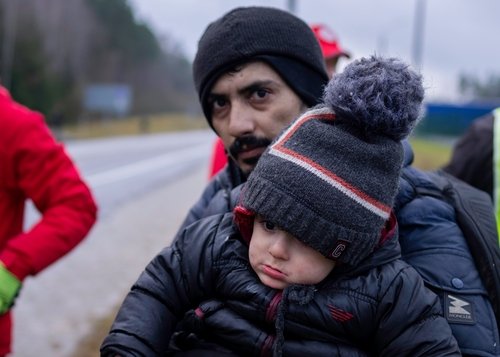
[218,158]
[476,157]
[34,166]
[330,47]
[473,154]
[332,52]
[257,69]
[314,231]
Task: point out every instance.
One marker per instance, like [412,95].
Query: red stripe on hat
[279,146]
[299,122]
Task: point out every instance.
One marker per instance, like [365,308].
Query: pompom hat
[331,177]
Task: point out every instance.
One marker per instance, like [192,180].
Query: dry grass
[132,125]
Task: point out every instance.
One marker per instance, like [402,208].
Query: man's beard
[245,143]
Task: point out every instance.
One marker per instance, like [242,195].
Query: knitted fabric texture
[271,35]
[331,177]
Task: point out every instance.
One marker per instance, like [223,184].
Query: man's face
[280,259]
[250,106]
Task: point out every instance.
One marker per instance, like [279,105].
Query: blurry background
[101,68]
[78,61]
[84,58]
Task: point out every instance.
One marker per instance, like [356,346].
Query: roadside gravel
[60,307]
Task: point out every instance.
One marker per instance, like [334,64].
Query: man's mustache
[247,142]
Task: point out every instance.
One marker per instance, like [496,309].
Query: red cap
[328,41]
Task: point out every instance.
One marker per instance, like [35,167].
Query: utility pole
[292,6]
[9,40]
[418,34]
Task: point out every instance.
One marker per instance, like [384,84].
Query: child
[311,266]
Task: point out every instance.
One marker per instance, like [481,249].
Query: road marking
[145,166]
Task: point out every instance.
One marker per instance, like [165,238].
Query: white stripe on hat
[333,182]
[380,210]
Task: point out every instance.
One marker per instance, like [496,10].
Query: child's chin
[274,284]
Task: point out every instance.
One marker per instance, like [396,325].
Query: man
[288,243]
[332,52]
[258,68]
[34,166]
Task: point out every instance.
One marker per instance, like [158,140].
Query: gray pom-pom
[378,95]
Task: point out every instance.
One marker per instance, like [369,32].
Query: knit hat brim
[284,209]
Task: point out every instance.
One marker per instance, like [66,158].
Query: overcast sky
[459,36]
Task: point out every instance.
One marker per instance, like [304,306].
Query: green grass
[430,154]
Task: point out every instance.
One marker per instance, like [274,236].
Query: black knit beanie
[271,35]
[331,177]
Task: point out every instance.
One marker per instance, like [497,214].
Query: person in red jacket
[330,47]
[218,158]
[34,166]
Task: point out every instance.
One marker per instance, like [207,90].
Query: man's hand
[9,288]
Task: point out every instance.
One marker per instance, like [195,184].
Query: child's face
[279,259]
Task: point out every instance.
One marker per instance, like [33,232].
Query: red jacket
[34,166]
[218,159]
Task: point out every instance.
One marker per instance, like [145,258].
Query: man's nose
[241,121]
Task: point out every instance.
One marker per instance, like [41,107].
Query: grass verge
[107,127]
[430,154]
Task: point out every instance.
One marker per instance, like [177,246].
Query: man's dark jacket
[431,241]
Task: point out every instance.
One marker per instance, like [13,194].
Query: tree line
[53,49]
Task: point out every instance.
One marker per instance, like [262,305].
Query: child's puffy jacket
[205,282]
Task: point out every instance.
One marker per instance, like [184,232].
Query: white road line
[144,166]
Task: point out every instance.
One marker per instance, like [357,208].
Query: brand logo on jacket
[339,314]
[459,310]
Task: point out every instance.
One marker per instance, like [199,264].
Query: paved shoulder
[57,308]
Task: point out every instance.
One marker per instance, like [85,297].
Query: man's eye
[260,93]
[219,102]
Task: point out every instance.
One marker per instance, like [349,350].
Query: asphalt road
[143,197]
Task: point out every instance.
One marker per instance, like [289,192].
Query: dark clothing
[379,307]
[472,158]
[217,196]
[431,242]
